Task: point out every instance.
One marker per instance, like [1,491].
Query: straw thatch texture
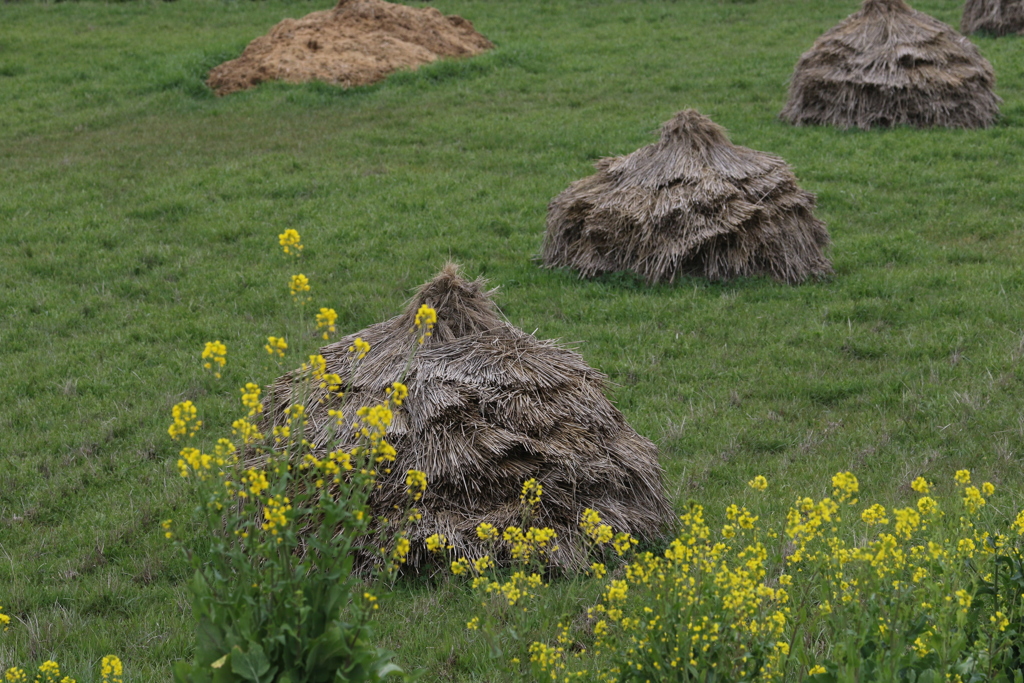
[692,203]
[998,17]
[888,65]
[489,407]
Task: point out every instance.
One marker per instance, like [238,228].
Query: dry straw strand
[489,407]
[692,203]
[889,65]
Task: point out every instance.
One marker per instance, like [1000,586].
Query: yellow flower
[486,532]
[251,398]
[359,348]
[276,345]
[16,675]
[460,566]
[166,524]
[247,430]
[816,669]
[963,477]
[483,564]
[921,485]
[926,505]
[398,392]
[845,487]
[758,483]
[4,619]
[987,488]
[874,515]
[1018,523]
[436,543]
[426,318]
[473,624]
[973,500]
[371,599]
[325,320]
[214,357]
[531,492]
[401,551]
[111,669]
[299,285]
[290,242]
[184,421]
[416,483]
[598,569]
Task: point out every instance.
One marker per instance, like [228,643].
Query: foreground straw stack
[489,407]
[888,65]
[691,204]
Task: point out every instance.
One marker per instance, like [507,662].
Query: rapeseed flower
[426,318]
[415,484]
[921,485]
[758,483]
[962,477]
[298,285]
[276,345]
[5,620]
[531,492]
[251,398]
[215,357]
[437,542]
[325,320]
[184,420]
[359,348]
[845,487]
[290,242]
[111,669]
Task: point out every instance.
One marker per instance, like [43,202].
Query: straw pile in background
[888,65]
[489,407]
[998,17]
[692,203]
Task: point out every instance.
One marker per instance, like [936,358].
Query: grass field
[139,215]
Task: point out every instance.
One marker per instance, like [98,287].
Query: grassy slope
[138,218]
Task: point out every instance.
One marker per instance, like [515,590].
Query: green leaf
[251,665]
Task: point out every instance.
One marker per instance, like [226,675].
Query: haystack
[888,65]
[489,407]
[692,203]
[357,43]
[998,17]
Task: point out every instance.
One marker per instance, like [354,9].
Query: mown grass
[139,214]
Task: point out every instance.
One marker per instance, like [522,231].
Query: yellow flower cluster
[215,357]
[298,285]
[184,421]
[251,398]
[532,543]
[531,493]
[48,672]
[415,484]
[248,432]
[276,345]
[111,669]
[317,367]
[275,514]
[845,487]
[426,318]
[590,522]
[437,543]
[359,348]
[290,242]
[325,320]
[194,462]
[758,483]
[5,621]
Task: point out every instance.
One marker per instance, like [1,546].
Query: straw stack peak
[464,307]
[886,6]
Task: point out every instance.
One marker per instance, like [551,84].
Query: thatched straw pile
[692,203]
[998,17]
[489,407]
[888,65]
[358,42]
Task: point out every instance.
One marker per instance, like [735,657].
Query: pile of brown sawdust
[358,42]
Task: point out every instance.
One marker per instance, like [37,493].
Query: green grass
[139,214]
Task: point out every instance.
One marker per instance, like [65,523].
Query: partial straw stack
[998,17]
[489,407]
[888,65]
[692,203]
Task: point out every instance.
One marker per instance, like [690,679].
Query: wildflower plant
[214,357]
[931,591]
[289,560]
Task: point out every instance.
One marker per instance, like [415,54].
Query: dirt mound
[357,43]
